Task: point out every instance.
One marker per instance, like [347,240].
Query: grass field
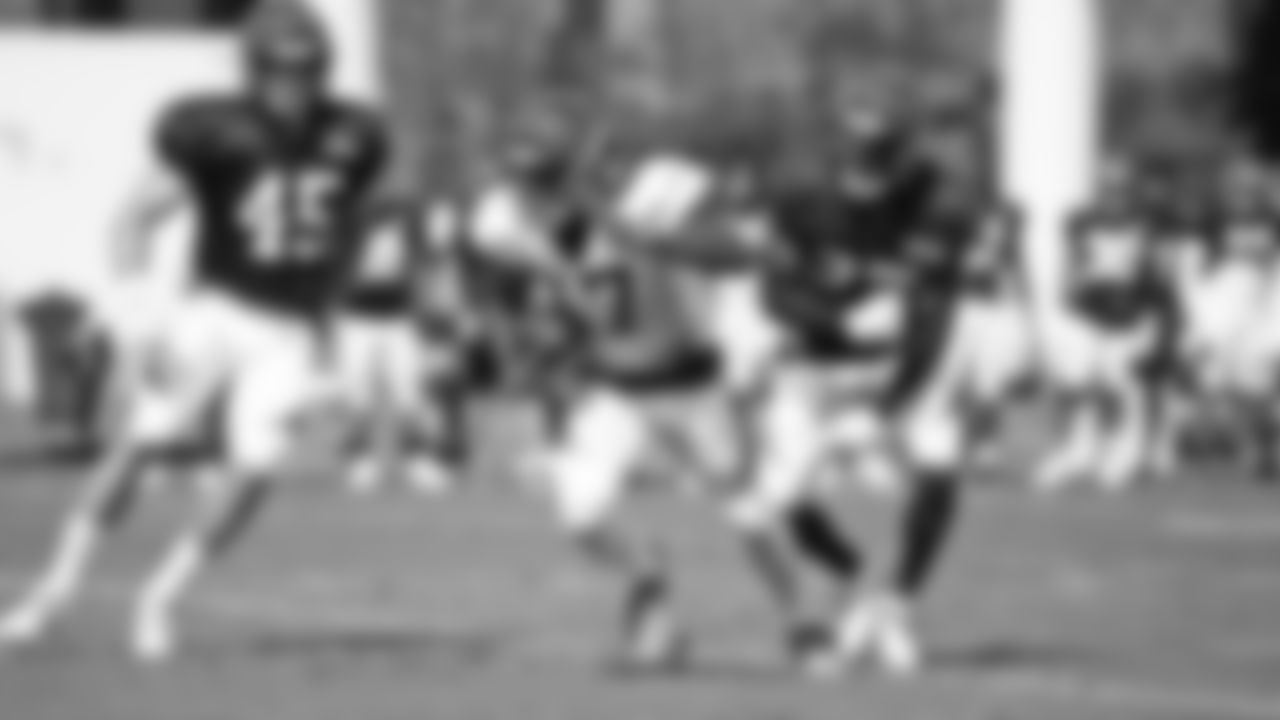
[1161,606]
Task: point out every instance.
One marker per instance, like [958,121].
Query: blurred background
[1187,90]
[1186,77]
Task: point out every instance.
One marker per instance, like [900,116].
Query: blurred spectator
[72,362]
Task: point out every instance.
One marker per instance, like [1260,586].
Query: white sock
[427,474]
[174,575]
[76,548]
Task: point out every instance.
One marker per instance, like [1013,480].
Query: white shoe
[855,636]
[877,629]
[365,477]
[26,625]
[428,476]
[153,638]
[897,648]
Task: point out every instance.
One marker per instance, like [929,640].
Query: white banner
[76,117]
[1051,90]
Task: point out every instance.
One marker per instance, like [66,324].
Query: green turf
[1161,606]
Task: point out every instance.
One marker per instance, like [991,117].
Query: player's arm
[184,144]
[158,196]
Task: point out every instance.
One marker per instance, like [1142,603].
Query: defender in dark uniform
[275,176]
[865,298]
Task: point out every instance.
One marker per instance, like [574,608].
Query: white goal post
[1051,94]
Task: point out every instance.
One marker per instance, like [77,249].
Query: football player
[275,175]
[993,324]
[1120,309]
[868,328]
[516,228]
[396,356]
[635,408]
[1234,345]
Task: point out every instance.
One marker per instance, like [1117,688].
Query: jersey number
[288,216]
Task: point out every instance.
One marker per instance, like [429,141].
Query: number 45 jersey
[276,208]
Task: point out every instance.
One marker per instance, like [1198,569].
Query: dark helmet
[285,36]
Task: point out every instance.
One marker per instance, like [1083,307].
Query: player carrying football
[275,176]
[866,302]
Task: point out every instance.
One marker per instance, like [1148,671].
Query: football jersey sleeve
[184,136]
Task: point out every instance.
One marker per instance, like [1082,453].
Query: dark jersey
[276,209]
[844,250]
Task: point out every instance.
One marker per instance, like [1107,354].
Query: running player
[516,229]
[868,335]
[275,175]
[635,406]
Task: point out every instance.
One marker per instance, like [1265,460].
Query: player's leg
[777,514]
[1168,389]
[998,363]
[275,379]
[932,442]
[884,622]
[776,428]
[1171,416]
[589,475]
[104,506]
[428,408]
[1075,376]
[365,403]
[1120,458]
[165,394]
[750,344]
[1071,456]
[221,521]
